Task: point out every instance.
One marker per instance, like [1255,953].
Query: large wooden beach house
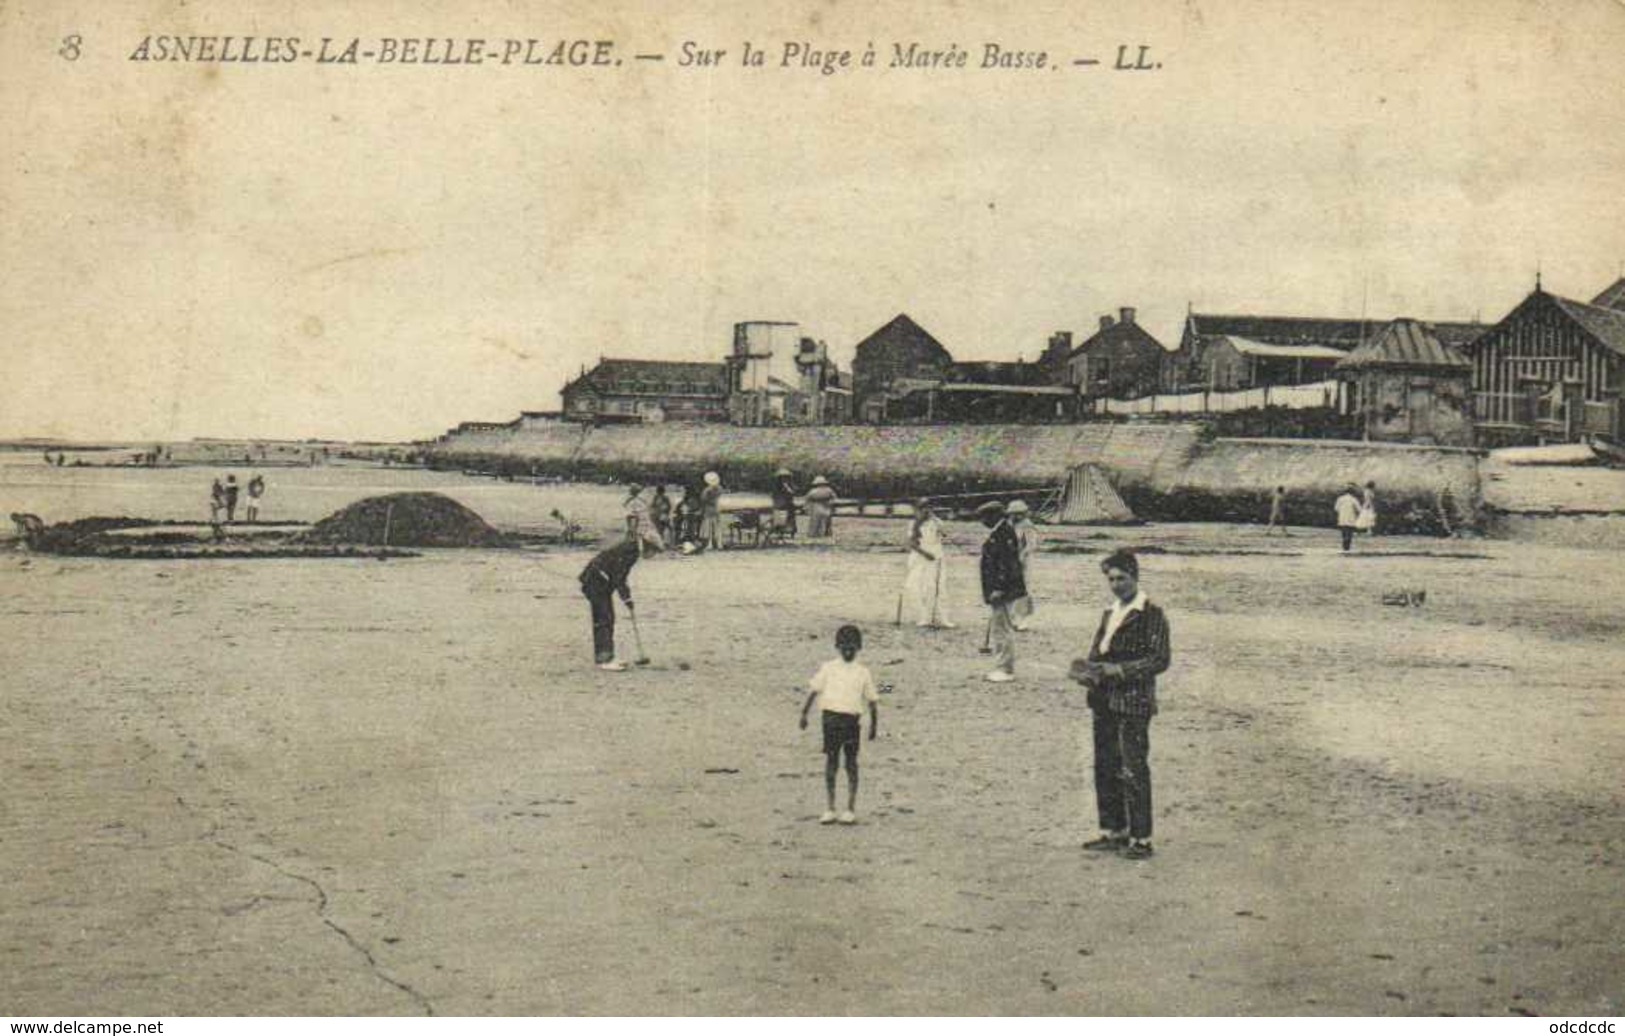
[1551,370]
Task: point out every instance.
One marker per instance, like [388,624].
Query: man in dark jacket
[605,576]
[1002,586]
[1130,648]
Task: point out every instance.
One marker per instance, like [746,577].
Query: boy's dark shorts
[840,729]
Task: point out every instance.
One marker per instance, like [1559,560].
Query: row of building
[1548,371]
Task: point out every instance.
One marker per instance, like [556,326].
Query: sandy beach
[399,787]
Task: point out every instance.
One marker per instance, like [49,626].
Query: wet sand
[398,787]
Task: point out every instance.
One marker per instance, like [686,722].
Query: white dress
[1366,520]
[925,576]
[1027,538]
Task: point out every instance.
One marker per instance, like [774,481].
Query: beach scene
[806,510]
[392,786]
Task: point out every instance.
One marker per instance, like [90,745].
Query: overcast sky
[380,252]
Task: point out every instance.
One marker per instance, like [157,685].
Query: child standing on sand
[841,687]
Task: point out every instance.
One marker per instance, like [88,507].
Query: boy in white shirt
[841,687]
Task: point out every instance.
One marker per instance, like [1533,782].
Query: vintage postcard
[812,508]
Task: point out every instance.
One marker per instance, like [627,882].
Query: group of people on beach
[1355,508]
[693,519]
[690,520]
[224,497]
[926,577]
[1130,647]
[1356,511]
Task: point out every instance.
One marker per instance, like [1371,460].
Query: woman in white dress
[1027,540]
[1366,522]
[820,501]
[927,567]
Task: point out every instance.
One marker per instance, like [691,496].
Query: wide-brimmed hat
[713,479]
[1018,507]
[991,507]
[634,488]
[782,473]
[820,481]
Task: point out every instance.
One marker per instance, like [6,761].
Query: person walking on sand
[711,512]
[821,509]
[1131,647]
[256,490]
[1348,514]
[1367,522]
[841,687]
[1277,512]
[1021,610]
[927,567]
[1002,586]
[605,576]
[217,501]
[231,499]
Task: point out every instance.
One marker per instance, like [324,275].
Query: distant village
[1549,371]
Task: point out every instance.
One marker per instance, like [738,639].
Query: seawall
[1164,471]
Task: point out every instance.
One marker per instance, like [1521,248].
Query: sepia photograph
[807,508]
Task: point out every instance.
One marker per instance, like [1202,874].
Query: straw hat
[1017,507]
[991,507]
[713,479]
[820,481]
[782,473]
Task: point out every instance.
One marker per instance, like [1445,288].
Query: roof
[902,327]
[1612,297]
[1339,333]
[1605,325]
[1404,343]
[655,378]
[1248,347]
[1120,332]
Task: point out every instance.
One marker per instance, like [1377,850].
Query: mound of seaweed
[76,537]
[405,520]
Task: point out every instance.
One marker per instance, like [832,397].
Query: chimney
[1126,314]
[1105,322]
[1061,340]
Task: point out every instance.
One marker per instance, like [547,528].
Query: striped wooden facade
[1542,375]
